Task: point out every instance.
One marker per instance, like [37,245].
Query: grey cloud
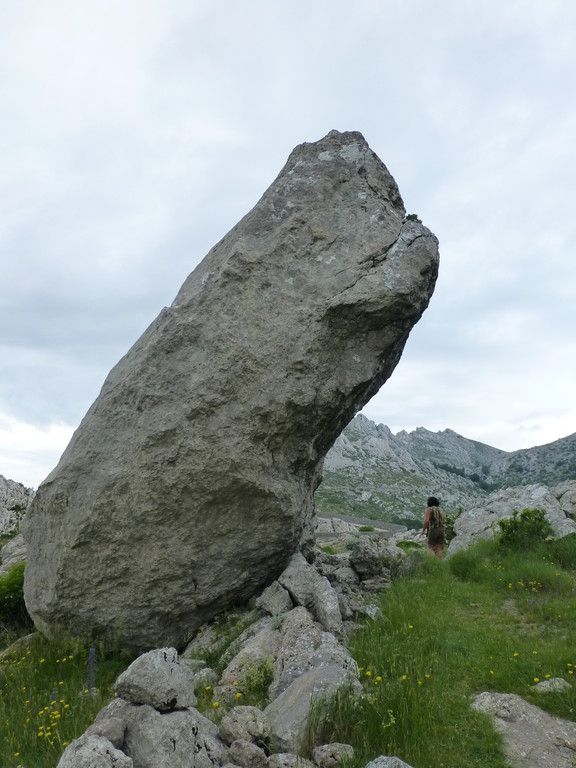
[136,135]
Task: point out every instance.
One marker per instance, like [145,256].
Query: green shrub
[256,681]
[525,530]
[366,528]
[12,607]
[450,520]
[410,546]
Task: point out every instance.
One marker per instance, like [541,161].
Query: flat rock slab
[532,737]
[190,481]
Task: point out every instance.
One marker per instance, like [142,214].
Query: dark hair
[433,502]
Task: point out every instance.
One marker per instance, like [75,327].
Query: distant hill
[369,472]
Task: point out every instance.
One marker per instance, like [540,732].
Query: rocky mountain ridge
[14,501]
[370,472]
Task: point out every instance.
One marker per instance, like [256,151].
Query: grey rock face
[247,723]
[532,738]
[206,442]
[275,600]
[481,522]
[313,591]
[259,646]
[331,755]
[290,712]
[246,754]
[365,558]
[13,552]
[93,752]
[566,495]
[305,647]
[14,501]
[179,739]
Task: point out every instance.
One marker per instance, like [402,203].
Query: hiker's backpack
[437,517]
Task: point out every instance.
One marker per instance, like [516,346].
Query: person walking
[435,526]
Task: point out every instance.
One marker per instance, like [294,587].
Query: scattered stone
[194,664]
[327,525]
[258,645]
[20,646]
[553,685]
[365,558]
[310,590]
[188,458]
[288,760]
[391,556]
[373,611]
[109,726]
[159,679]
[275,600]
[12,553]
[246,754]
[205,640]
[532,737]
[331,755]
[247,723]
[212,639]
[179,739]
[387,762]
[93,752]
[205,677]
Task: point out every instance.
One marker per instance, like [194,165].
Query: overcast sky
[135,133]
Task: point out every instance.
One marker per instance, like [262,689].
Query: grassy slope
[49,694]
[482,620]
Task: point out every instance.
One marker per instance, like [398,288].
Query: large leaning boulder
[190,481]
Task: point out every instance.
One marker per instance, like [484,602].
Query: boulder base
[190,481]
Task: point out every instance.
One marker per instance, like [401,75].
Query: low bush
[525,530]
[12,607]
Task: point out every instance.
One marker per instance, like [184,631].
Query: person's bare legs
[435,549]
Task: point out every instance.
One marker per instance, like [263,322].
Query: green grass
[485,619]
[49,695]
[482,620]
